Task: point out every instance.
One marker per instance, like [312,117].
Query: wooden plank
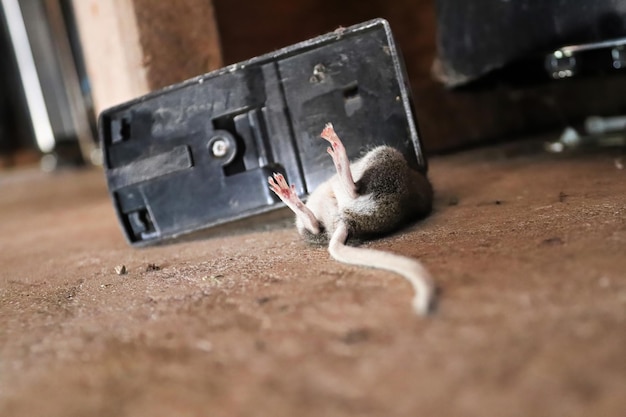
[132,47]
[112,52]
[179,39]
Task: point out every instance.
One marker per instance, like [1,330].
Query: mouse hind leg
[340,159]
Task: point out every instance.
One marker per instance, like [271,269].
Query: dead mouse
[372,196]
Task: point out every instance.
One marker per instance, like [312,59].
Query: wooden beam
[132,47]
[112,52]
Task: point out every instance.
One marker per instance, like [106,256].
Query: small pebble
[604,282]
[120,270]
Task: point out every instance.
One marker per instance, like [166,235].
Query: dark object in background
[198,154]
[478,37]
[48,91]
[11,138]
[450,119]
[587,59]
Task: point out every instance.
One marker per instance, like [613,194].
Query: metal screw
[219,148]
[319,74]
[561,64]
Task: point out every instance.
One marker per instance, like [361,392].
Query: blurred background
[481,71]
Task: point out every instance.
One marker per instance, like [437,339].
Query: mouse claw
[277,182]
[280,179]
[273,185]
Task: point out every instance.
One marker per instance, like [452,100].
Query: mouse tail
[409,268]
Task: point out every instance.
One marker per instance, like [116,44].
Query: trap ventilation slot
[351,92]
[352,100]
[120,129]
[141,224]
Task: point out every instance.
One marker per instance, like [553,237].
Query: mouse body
[372,196]
[389,194]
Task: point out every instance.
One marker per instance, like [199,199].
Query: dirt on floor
[526,248]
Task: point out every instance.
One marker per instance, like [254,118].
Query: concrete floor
[527,249]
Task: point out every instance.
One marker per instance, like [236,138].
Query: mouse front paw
[279,186]
[287,194]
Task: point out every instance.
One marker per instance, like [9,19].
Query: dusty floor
[527,249]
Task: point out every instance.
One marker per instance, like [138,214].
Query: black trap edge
[198,154]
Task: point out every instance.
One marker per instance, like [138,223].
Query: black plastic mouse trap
[198,154]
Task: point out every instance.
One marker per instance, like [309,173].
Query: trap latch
[197,154]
